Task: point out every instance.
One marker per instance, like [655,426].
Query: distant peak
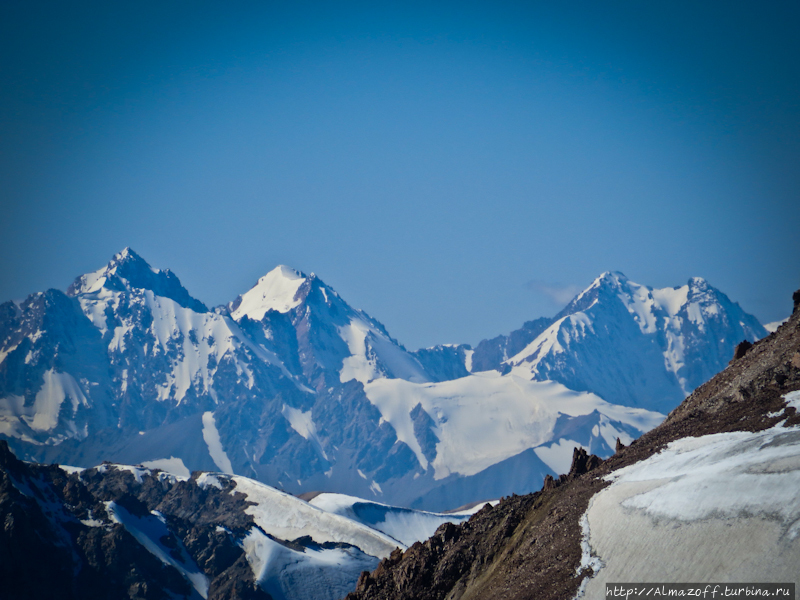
[612,276]
[277,290]
[127,252]
[284,272]
[613,279]
[698,283]
[127,270]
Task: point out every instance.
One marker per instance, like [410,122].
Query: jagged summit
[127,270]
[277,290]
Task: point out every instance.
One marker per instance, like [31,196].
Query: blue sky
[452,168]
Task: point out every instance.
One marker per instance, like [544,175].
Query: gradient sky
[454,169]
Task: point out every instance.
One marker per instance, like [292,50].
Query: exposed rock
[57,540]
[741,349]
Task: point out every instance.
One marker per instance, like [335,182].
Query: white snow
[793,400]
[313,574]
[303,424]
[211,437]
[468,360]
[148,531]
[137,472]
[286,517]
[7,351]
[274,291]
[404,525]
[208,480]
[714,508]
[373,355]
[171,465]
[70,470]
[485,418]
[56,387]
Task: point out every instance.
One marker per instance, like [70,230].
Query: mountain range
[701,505]
[709,495]
[291,386]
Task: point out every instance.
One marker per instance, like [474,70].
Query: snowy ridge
[402,524]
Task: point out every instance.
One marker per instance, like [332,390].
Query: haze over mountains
[290,385]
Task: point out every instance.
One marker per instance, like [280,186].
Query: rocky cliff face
[64,535]
[552,544]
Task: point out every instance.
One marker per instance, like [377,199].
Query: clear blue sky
[452,168]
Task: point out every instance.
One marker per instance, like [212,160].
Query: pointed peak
[609,282]
[698,283]
[610,277]
[284,272]
[127,253]
[127,270]
[277,290]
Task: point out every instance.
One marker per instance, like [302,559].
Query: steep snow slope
[332,336]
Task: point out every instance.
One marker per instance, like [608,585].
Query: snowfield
[485,418]
[722,507]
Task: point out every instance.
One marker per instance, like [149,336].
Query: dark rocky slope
[57,540]
[529,546]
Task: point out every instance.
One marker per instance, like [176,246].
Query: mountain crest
[127,270]
[277,290]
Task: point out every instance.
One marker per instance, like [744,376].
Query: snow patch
[211,437]
[793,400]
[714,508]
[303,424]
[170,465]
[149,531]
[56,388]
[403,524]
[288,518]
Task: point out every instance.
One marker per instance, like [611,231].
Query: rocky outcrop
[58,538]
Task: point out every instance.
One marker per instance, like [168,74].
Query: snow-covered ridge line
[293,386]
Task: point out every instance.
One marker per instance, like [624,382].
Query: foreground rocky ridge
[531,546]
[58,539]
[119,531]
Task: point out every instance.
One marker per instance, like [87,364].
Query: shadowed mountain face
[709,495]
[117,531]
[291,385]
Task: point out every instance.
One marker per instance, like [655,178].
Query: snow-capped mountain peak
[127,270]
[277,290]
[636,345]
